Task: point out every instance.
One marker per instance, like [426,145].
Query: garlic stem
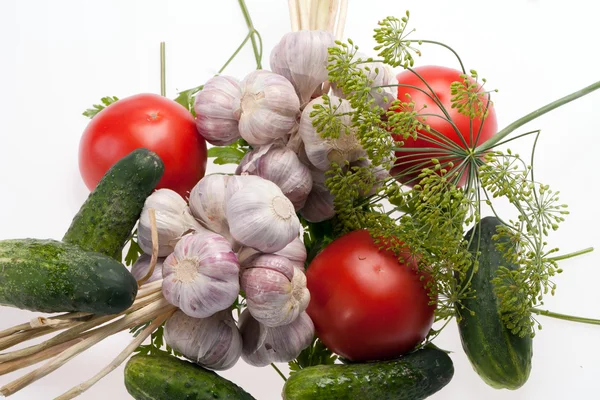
[294,17]
[27,325]
[339,30]
[332,13]
[154,259]
[129,321]
[79,389]
[305,14]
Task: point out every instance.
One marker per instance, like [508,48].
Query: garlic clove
[173,220]
[214,110]
[201,277]
[268,109]
[142,265]
[323,151]
[302,58]
[381,173]
[207,203]
[295,252]
[275,289]
[281,166]
[380,75]
[260,216]
[264,345]
[319,203]
[214,342]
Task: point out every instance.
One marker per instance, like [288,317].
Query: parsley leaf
[230,154]
[134,252]
[186,98]
[315,354]
[96,108]
[157,344]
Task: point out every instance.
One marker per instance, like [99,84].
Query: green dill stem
[255,44]
[235,53]
[571,255]
[279,372]
[163,76]
[462,67]
[565,317]
[535,114]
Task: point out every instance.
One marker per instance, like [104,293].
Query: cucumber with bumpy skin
[52,276]
[502,359]
[164,377]
[414,376]
[106,219]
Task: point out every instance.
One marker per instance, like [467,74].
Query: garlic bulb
[275,290]
[214,110]
[260,216]
[302,57]
[214,342]
[380,75]
[207,203]
[281,166]
[173,220]
[263,345]
[268,109]
[295,252]
[201,277]
[381,175]
[141,267]
[319,204]
[323,151]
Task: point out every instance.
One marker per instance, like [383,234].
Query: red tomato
[439,79]
[366,305]
[144,120]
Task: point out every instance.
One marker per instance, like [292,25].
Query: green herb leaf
[134,252]
[96,108]
[315,354]
[157,343]
[230,154]
[186,98]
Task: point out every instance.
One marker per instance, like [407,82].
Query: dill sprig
[451,182]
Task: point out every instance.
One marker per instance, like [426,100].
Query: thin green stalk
[565,317]
[279,372]
[535,114]
[163,76]
[235,53]
[255,43]
[462,67]
[573,254]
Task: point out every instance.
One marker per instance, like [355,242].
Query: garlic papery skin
[214,110]
[295,252]
[323,151]
[281,166]
[207,203]
[319,203]
[268,109]
[302,58]
[173,220]
[201,277]
[142,265]
[214,342]
[380,75]
[275,290]
[263,345]
[260,216]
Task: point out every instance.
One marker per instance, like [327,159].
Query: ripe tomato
[144,120]
[366,305]
[439,79]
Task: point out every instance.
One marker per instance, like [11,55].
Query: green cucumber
[106,219]
[414,376]
[165,377]
[502,359]
[51,276]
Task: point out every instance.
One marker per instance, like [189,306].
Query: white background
[59,57]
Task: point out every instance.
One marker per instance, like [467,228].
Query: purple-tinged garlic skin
[207,203]
[214,342]
[275,290]
[263,345]
[201,277]
[302,58]
[319,204]
[281,166]
[295,252]
[214,110]
[260,216]
[268,109]
[173,220]
[320,151]
[142,265]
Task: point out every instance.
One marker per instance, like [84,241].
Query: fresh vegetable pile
[360,221]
